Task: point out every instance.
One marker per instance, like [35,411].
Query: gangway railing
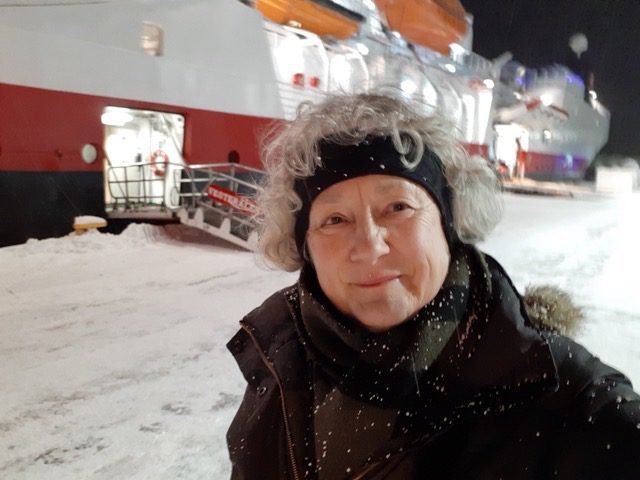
[217,197]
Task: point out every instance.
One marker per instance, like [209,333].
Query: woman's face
[378,248]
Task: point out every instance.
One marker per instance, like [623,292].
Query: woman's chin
[380,320]
[381,309]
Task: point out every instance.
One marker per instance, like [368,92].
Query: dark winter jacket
[518,404]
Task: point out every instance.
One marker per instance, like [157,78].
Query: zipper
[265,360]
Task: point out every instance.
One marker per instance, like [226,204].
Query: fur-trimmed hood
[552,309]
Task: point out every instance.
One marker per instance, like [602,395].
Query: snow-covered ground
[112,348]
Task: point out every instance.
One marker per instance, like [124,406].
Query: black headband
[373,156]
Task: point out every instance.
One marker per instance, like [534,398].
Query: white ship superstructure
[137,108]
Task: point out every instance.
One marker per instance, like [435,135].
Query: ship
[154,110]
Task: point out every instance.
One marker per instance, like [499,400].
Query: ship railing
[477,64]
[471,61]
[134,187]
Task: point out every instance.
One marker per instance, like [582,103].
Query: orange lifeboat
[322,17]
[432,23]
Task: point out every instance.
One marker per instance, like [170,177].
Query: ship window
[151,39]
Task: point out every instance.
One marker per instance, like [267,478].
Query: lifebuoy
[159,167]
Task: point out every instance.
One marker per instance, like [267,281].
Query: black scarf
[396,368]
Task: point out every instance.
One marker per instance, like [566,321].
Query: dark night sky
[537,33]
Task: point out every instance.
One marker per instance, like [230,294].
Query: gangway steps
[240,235]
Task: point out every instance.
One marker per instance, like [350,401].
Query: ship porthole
[89,153]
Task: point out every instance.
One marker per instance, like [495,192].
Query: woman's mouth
[376,281]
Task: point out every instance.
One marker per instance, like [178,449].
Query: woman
[403,351]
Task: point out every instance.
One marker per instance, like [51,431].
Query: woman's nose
[369,242]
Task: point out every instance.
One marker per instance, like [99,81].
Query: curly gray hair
[290,151]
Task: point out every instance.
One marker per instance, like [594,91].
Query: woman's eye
[334,220]
[399,206]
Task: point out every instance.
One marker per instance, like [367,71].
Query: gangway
[217,198]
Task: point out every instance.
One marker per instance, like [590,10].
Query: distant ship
[153,110]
